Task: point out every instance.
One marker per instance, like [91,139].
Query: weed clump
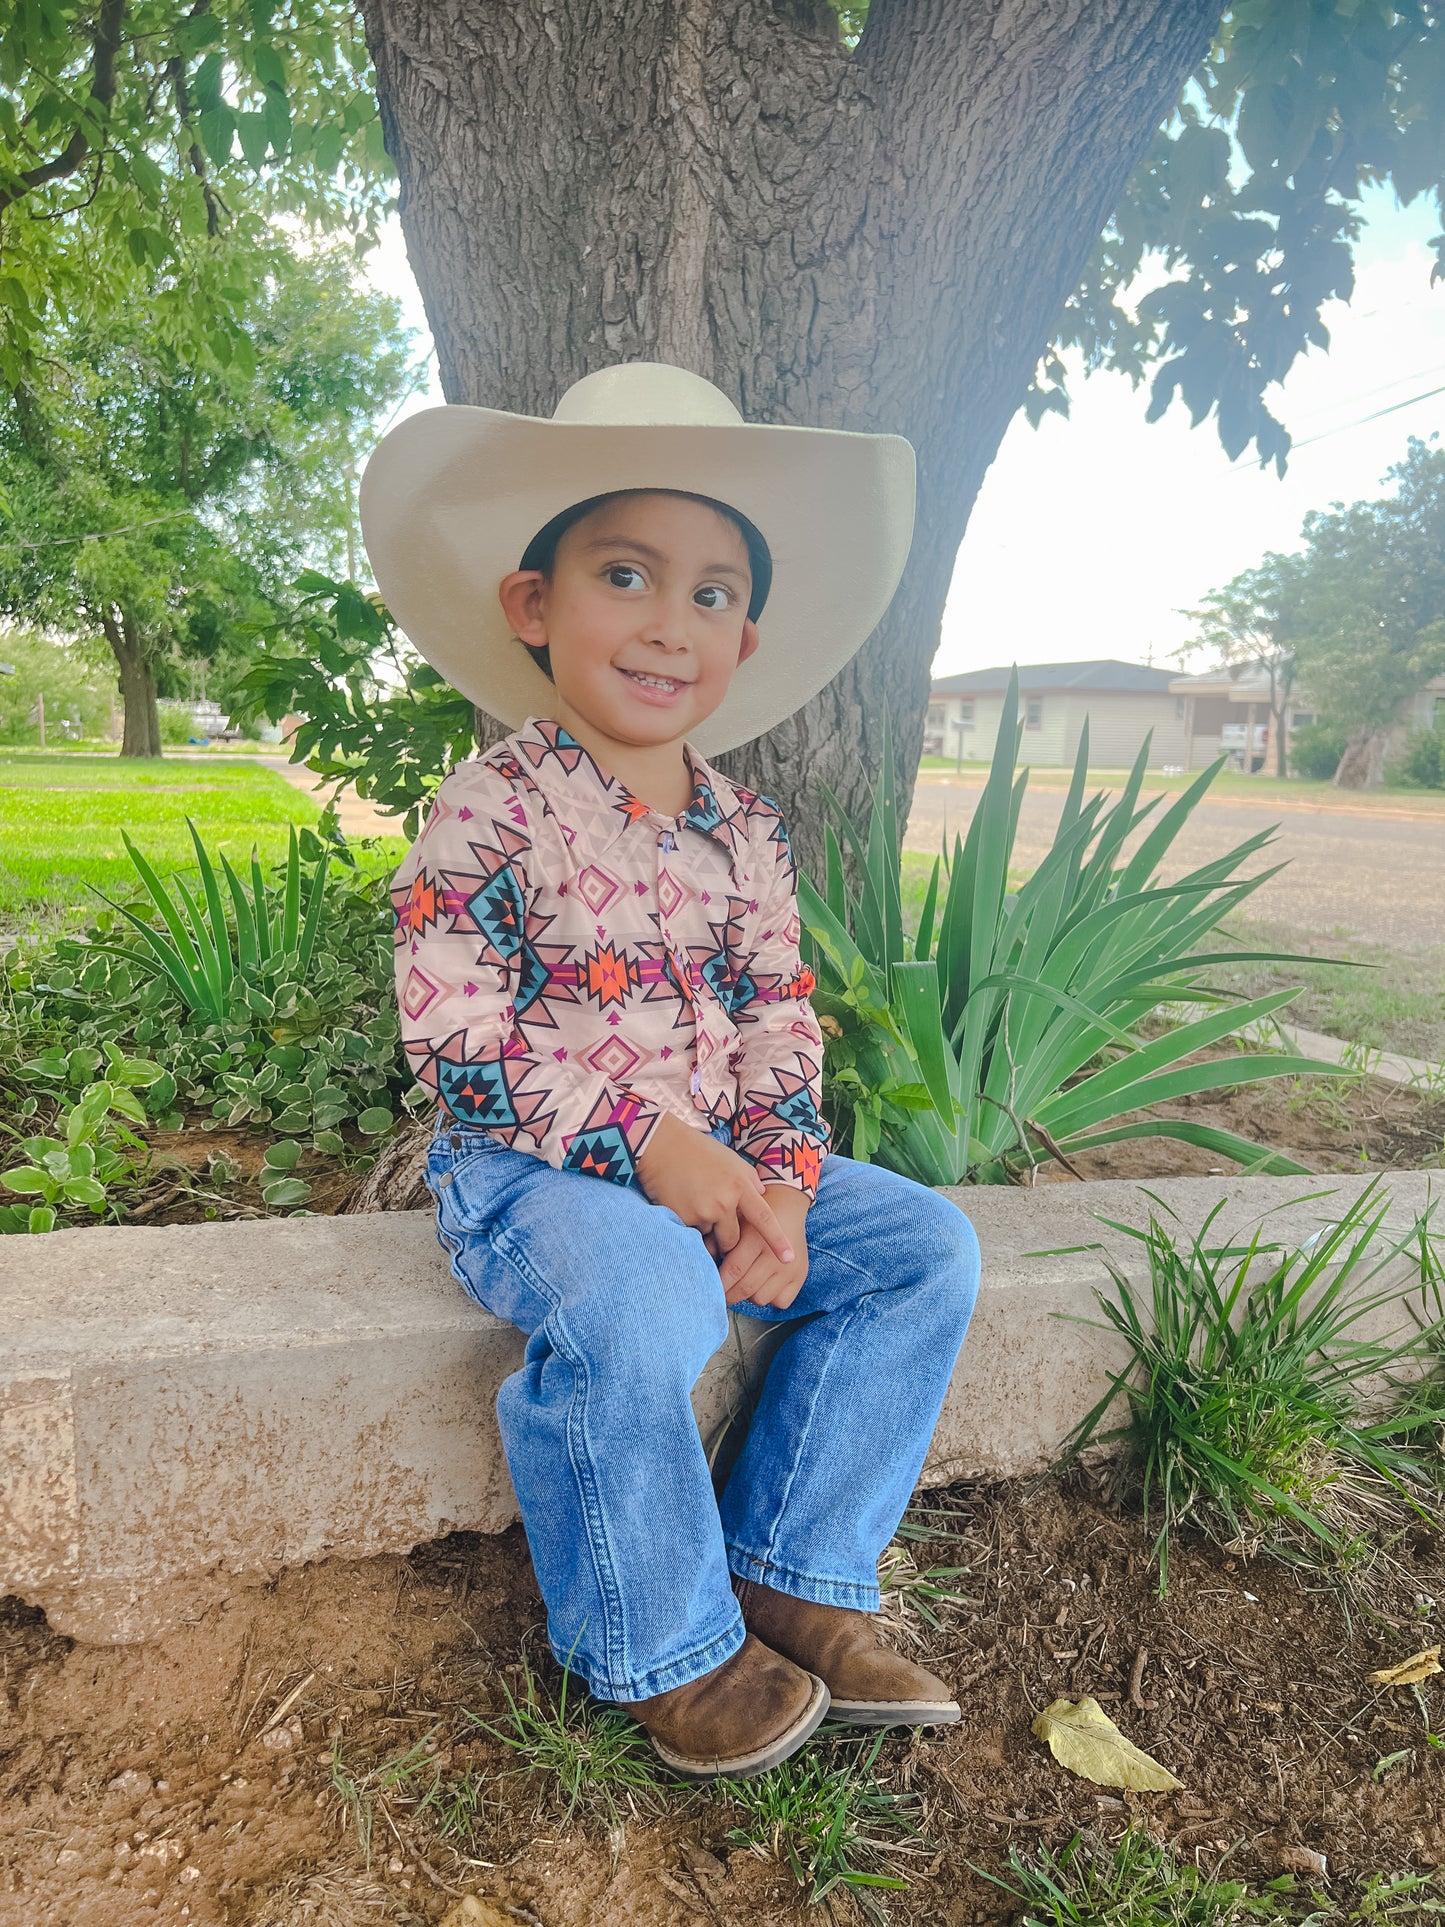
[1265,1402]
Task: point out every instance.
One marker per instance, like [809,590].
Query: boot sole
[895,1712]
[745,1765]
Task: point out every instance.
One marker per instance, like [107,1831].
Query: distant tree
[73,678]
[1369,622]
[1249,624]
[165,504]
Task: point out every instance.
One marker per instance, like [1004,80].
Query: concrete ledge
[182,1409]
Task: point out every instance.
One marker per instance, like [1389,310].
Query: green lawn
[1232,783]
[1395,1002]
[61,819]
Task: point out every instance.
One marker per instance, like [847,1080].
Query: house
[1123,702]
[1228,711]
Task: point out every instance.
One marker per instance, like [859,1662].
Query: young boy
[599,976]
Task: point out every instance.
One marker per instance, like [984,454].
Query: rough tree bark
[876,239]
[1362,767]
[142,731]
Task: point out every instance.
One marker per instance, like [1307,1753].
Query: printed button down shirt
[571,963]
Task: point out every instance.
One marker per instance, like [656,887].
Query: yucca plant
[198,952]
[1007,1030]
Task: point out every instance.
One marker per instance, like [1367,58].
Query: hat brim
[452,496]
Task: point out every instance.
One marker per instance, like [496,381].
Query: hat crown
[646,394]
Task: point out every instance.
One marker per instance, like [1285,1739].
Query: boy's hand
[710,1188]
[753,1272]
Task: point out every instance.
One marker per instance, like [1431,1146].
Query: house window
[1301,718]
[1179,709]
[935,715]
[1034,713]
[965,715]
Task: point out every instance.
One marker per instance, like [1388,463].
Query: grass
[1396,1004]
[61,821]
[1253,1387]
[1230,786]
[825,1815]
[1138,1883]
[591,1760]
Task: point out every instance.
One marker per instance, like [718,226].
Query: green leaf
[286,1192]
[27,1182]
[283,1156]
[375,1121]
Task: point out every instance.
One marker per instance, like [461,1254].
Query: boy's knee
[948,1246]
[661,1306]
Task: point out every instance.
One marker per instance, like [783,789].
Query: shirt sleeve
[780,1069]
[466,963]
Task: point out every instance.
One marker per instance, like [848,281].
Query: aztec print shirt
[571,963]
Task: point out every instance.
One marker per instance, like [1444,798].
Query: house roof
[1128,678]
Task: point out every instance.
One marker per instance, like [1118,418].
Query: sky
[1137,521]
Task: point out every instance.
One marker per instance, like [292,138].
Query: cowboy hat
[452,496]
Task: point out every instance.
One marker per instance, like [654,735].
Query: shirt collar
[562,768]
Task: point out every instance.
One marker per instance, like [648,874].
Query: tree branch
[105,46]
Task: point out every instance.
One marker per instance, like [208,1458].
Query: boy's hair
[541,552]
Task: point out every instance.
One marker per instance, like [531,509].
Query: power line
[99,535]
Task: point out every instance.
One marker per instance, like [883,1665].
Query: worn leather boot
[745,1716]
[870,1685]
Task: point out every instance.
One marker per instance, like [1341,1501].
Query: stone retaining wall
[185,1409]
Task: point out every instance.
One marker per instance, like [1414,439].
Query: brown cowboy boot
[870,1684]
[743,1717]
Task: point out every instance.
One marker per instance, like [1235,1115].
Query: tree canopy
[132,130]
[166,504]
[145,144]
[1355,618]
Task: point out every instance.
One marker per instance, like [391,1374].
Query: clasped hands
[753,1230]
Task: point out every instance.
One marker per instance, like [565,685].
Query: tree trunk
[1363,764]
[141,735]
[880,239]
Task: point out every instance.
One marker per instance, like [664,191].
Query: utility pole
[37,715]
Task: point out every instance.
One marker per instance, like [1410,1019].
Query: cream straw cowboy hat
[453,495]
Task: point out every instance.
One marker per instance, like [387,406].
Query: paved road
[1377,878]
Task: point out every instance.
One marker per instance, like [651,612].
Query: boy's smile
[644,618]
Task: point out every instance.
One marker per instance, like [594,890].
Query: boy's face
[644,618]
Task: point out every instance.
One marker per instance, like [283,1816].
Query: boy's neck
[656,773]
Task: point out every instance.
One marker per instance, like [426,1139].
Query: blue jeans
[623,1306]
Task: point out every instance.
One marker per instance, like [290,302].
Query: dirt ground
[158,1784]
[1360,1124]
[1370,873]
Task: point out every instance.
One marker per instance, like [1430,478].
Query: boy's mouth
[655,688]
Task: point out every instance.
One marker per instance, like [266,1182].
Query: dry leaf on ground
[1409,1672]
[1084,1739]
[473,1911]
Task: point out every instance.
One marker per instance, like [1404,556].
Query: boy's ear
[750,641]
[520,595]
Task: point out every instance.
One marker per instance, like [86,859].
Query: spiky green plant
[197,952]
[1007,1030]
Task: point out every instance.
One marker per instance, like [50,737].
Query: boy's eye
[713,596]
[622,575]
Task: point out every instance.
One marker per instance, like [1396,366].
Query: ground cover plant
[1005,1031]
[259,1001]
[62,817]
[1282,1400]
